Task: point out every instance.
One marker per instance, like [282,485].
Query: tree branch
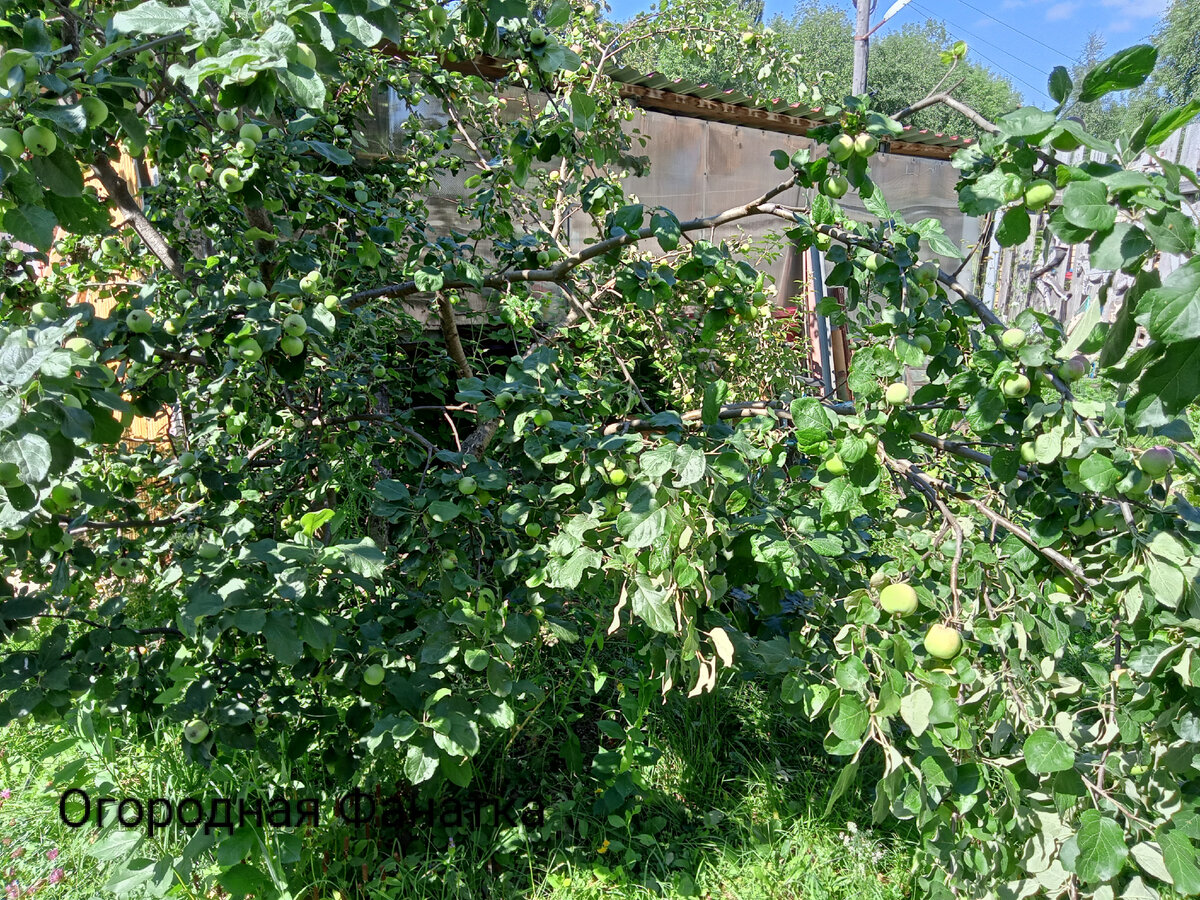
[118,192]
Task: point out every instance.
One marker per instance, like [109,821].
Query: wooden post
[862,43]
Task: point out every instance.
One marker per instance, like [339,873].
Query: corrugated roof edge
[683,98]
[777,105]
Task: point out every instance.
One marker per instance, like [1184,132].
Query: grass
[733,808]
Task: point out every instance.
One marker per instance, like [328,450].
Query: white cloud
[1130,14]
[1061,11]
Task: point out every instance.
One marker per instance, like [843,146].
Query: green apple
[1157,462]
[246,147]
[873,261]
[65,496]
[95,112]
[247,350]
[187,459]
[230,180]
[332,302]
[504,399]
[841,147]
[297,305]
[617,477]
[195,731]
[898,599]
[879,579]
[227,121]
[305,55]
[896,394]
[260,721]
[197,172]
[255,289]
[533,529]
[1013,339]
[378,371]
[81,346]
[537,37]
[543,417]
[174,325]
[943,642]
[467,485]
[925,342]
[449,561]
[11,144]
[865,144]
[291,345]
[1039,193]
[1074,368]
[123,567]
[1015,386]
[835,186]
[39,140]
[294,325]
[926,272]
[310,282]
[139,321]
[111,246]
[1028,452]
[373,674]
[835,465]
[251,132]
[204,340]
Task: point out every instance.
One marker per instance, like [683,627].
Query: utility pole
[862,42]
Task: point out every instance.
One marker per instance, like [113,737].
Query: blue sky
[1022,39]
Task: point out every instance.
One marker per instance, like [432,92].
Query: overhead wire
[1027,37]
[1041,91]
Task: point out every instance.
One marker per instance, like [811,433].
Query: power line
[1027,37]
[1011,74]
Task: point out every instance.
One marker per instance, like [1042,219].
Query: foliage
[814,48]
[613,458]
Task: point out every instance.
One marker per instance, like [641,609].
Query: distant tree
[1177,77]
[814,49]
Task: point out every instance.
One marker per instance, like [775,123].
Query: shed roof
[680,97]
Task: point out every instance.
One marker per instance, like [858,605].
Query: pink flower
[58,875]
[52,855]
[18,853]
[5,794]
[13,891]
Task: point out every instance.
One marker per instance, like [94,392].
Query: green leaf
[1046,752]
[32,455]
[443,511]
[650,605]
[1171,313]
[1120,72]
[689,464]
[1098,473]
[283,642]
[648,530]
[1119,248]
[310,522]
[1028,121]
[849,718]
[810,422]
[715,393]
[153,17]
[31,224]
[1102,849]
[559,14]
[666,230]
[1171,231]
[1085,204]
[1059,84]
[59,173]
[1180,857]
[1170,122]
[914,710]
[306,87]
[420,764]
[428,279]
[1013,228]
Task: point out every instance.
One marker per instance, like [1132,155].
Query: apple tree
[359,535]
